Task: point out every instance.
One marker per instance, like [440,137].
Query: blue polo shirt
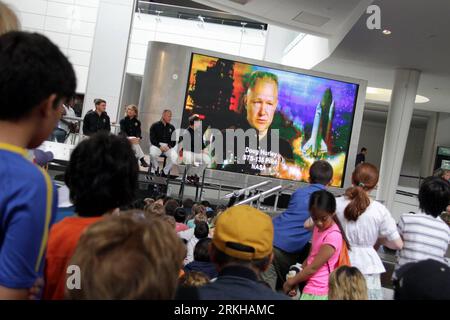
[289,233]
[28,201]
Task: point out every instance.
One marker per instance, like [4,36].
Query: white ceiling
[320,17]
[420,38]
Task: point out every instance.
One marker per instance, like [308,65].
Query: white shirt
[362,234]
[189,236]
[69,113]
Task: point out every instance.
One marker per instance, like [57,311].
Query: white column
[109,55]
[397,128]
[426,166]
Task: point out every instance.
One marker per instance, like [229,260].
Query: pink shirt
[181,227]
[318,283]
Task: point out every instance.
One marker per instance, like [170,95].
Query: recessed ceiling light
[387,32]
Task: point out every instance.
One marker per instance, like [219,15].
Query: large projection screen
[317,115]
[313,116]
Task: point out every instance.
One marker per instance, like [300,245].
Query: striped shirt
[424,237]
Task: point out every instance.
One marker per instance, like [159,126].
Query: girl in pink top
[326,247]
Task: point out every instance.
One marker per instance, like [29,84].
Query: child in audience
[193,279]
[425,235]
[198,214]
[212,222]
[367,223]
[347,283]
[187,206]
[161,199]
[291,239]
[180,218]
[206,204]
[35,80]
[201,231]
[170,220]
[148,201]
[202,261]
[101,176]
[171,206]
[155,209]
[326,246]
[122,258]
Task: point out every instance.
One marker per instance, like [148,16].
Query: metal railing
[261,196]
[245,191]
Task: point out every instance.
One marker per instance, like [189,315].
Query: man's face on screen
[261,103]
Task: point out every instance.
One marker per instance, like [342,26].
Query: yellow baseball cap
[244,232]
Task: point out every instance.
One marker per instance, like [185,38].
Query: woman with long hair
[367,223]
[130,127]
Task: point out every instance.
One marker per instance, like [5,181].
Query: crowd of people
[115,246]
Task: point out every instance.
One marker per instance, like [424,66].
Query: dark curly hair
[102,174]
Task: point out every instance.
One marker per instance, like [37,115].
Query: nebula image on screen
[312,116]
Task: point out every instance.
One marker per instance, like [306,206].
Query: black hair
[166,199]
[205,203]
[321,172]
[31,69]
[325,201]
[136,204]
[201,230]
[170,206]
[201,252]
[188,203]
[434,196]
[179,215]
[102,174]
[221,259]
[221,207]
[363,149]
[160,197]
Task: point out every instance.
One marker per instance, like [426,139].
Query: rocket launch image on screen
[313,115]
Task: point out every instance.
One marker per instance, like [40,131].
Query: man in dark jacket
[162,143]
[96,120]
[241,249]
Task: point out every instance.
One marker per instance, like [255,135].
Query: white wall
[220,38]
[70,24]
[109,52]
[443,130]
[372,137]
